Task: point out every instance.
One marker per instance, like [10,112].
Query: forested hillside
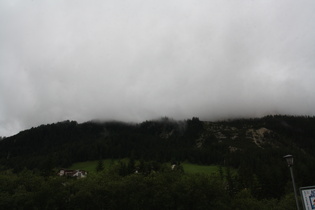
[253,147]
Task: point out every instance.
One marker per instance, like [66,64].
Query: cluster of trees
[107,189]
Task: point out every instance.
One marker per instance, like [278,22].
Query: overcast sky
[135,60]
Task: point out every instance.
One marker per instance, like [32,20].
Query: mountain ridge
[254,147]
[270,131]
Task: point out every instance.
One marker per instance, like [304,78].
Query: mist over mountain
[140,60]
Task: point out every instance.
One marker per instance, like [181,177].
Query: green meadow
[90,166]
[194,168]
[190,168]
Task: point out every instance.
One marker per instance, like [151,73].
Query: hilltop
[254,147]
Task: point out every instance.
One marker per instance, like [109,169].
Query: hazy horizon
[140,60]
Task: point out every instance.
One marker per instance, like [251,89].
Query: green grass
[189,168]
[87,166]
[90,166]
[194,168]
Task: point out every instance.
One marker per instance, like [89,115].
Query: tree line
[109,189]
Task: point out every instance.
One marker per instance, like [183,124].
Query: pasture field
[194,168]
[190,168]
[90,166]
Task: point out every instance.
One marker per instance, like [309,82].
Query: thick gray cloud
[143,59]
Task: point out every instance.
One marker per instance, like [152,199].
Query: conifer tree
[100,165]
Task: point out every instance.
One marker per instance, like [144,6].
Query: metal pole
[296,198]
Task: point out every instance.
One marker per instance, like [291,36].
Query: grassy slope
[90,166]
[193,168]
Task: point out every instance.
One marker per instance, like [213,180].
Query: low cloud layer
[144,59]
